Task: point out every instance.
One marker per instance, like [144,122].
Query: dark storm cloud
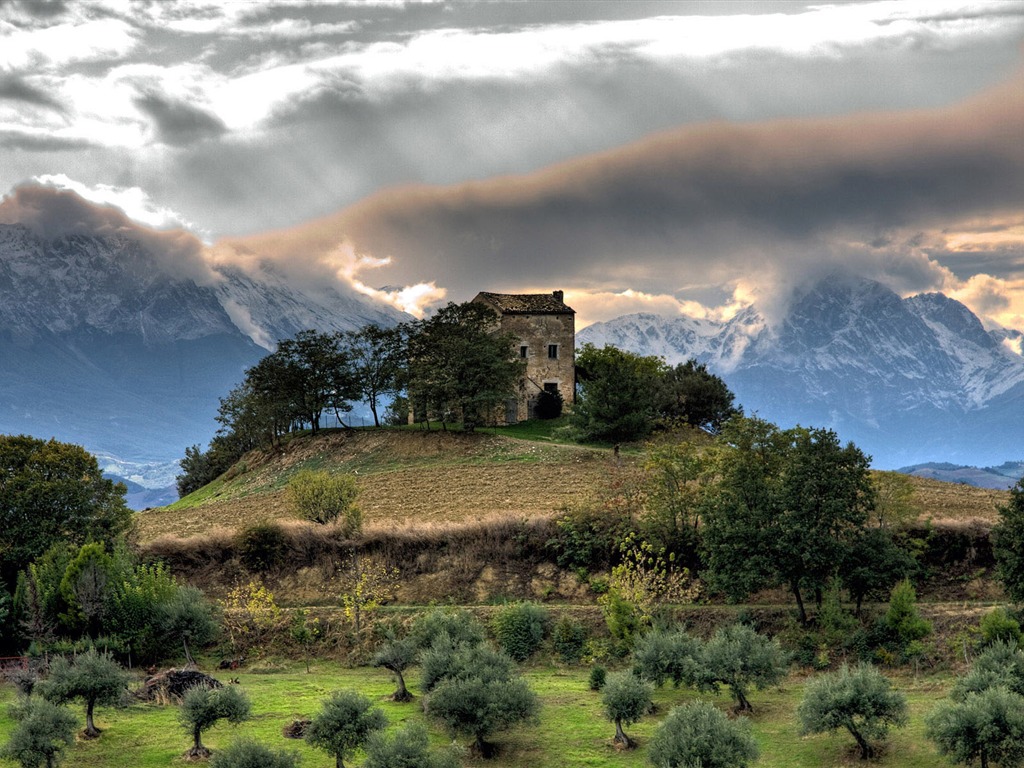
[51,214]
[724,199]
[40,9]
[179,123]
[13,88]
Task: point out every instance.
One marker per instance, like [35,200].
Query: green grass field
[571,732]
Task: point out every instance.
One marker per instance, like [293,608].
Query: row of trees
[453,365]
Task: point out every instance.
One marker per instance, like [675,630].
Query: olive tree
[982,729]
[43,731]
[397,655]
[626,698]
[202,708]
[667,654]
[245,753]
[408,747]
[739,657]
[91,677]
[343,724]
[698,734]
[861,700]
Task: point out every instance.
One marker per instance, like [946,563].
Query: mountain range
[909,380]
[102,345]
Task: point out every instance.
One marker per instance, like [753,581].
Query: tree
[43,731]
[92,677]
[626,698]
[408,747]
[53,492]
[397,655]
[322,497]
[1000,664]
[202,708]
[618,398]
[187,617]
[245,753]
[861,700]
[691,394]
[667,654]
[902,620]
[343,724]
[519,629]
[317,376]
[739,657]
[84,587]
[983,728]
[459,366]
[1008,543]
[459,625]
[787,509]
[479,694]
[697,734]
[376,357]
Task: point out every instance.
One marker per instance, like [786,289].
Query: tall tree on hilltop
[376,357]
[460,365]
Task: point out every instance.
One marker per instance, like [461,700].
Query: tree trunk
[865,748]
[743,700]
[188,656]
[402,694]
[795,587]
[90,727]
[620,735]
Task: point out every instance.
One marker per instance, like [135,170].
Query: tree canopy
[53,492]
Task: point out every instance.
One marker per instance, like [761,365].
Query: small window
[551,386]
[523,350]
[552,351]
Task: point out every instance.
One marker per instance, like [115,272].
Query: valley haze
[824,202]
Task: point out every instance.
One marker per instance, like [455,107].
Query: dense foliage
[91,677]
[698,734]
[343,724]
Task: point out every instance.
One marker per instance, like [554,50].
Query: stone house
[545,331]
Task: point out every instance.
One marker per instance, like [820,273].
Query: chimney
[558,295]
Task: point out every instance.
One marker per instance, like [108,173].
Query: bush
[262,547]
[698,734]
[999,626]
[549,405]
[519,629]
[862,701]
[44,730]
[323,498]
[408,747]
[598,677]
[626,698]
[569,638]
[662,655]
[251,754]
[460,626]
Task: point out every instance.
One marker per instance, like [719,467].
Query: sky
[672,157]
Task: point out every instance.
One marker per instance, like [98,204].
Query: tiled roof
[527,303]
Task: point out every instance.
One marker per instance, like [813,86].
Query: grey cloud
[177,122]
[40,9]
[16,89]
[769,200]
[23,140]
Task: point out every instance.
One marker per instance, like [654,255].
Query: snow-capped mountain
[909,380]
[106,344]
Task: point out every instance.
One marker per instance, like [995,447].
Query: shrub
[626,698]
[323,498]
[598,677]
[862,701]
[999,626]
[549,405]
[408,747]
[570,638]
[459,626]
[44,730]
[519,629]
[251,754]
[262,547]
[697,734]
[903,619]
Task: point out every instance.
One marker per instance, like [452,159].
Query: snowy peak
[911,379]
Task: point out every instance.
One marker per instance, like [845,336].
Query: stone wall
[537,333]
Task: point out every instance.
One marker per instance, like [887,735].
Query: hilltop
[412,476]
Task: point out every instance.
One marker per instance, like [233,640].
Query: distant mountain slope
[102,343]
[998,478]
[909,380]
